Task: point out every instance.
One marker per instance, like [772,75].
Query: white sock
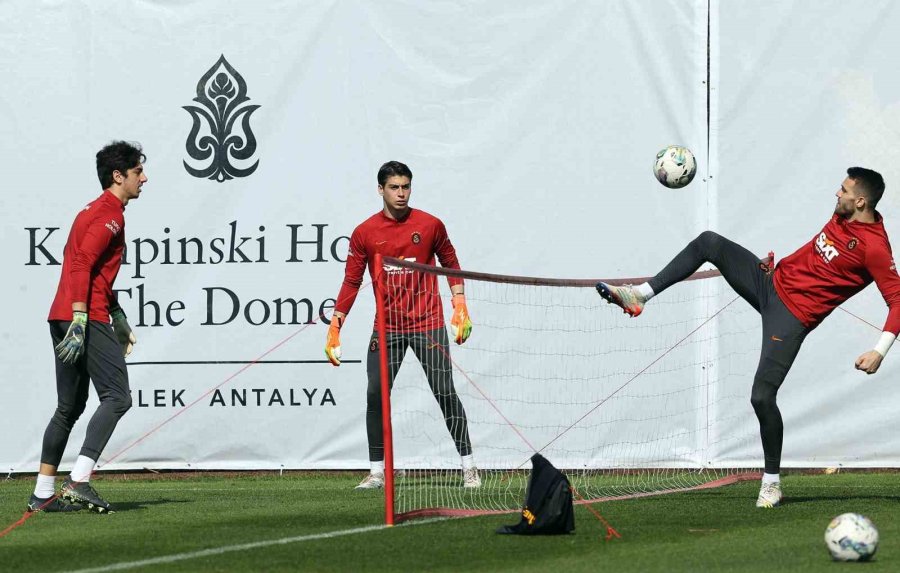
[45,486]
[468,462]
[84,467]
[645,291]
[376,467]
[771,478]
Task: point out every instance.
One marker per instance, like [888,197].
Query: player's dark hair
[870,182]
[392,168]
[118,156]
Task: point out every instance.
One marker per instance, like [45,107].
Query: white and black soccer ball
[851,537]
[675,166]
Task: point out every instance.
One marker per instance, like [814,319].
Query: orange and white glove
[460,325]
[333,341]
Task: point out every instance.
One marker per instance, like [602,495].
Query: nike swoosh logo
[776,339]
[381,242]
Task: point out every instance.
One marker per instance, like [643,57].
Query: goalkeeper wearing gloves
[413,235]
[87,347]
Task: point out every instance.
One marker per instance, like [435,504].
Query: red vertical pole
[380,296]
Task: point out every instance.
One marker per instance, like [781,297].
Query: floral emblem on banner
[221,131]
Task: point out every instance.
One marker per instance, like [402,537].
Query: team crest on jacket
[373,344]
[416,238]
[851,244]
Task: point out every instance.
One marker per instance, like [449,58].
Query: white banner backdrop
[802,91]
[543,118]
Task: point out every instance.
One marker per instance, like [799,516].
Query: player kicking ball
[851,251]
[400,231]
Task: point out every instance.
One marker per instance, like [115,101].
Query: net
[625,407]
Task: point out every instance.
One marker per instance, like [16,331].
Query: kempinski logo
[221,133]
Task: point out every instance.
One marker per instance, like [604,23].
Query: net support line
[640,372]
[600,403]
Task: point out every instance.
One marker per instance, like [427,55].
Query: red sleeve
[880,264]
[88,251]
[445,252]
[353,272]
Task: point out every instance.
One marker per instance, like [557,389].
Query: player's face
[131,181]
[396,191]
[849,199]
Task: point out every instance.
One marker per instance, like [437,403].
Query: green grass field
[322,523]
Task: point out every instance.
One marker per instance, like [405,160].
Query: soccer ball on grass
[851,537]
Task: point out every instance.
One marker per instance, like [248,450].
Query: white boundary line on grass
[247,546]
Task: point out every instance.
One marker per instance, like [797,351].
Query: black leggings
[102,363]
[432,350]
[782,333]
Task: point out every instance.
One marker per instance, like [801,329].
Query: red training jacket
[835,265]
[91,259]
[413,303]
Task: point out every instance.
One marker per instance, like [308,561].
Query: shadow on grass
[788,500]
[123,506]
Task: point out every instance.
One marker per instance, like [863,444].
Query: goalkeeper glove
[126,337]
[333,341]
[71,347]
[460,325]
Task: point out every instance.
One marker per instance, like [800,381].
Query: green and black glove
[123,330]
[71,347]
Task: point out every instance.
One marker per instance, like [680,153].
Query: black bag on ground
[548,502]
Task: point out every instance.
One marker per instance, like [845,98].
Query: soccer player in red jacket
[851,251]
[90,333]
[400,231]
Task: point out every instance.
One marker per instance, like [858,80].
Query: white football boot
[471,479]
[372,481]
[769,495]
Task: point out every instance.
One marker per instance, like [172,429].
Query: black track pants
[103,364]
[432,349]
[782,333]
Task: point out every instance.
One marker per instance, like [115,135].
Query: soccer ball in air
[675,166]
[851,537]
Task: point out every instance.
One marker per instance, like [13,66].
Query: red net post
[380,295]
